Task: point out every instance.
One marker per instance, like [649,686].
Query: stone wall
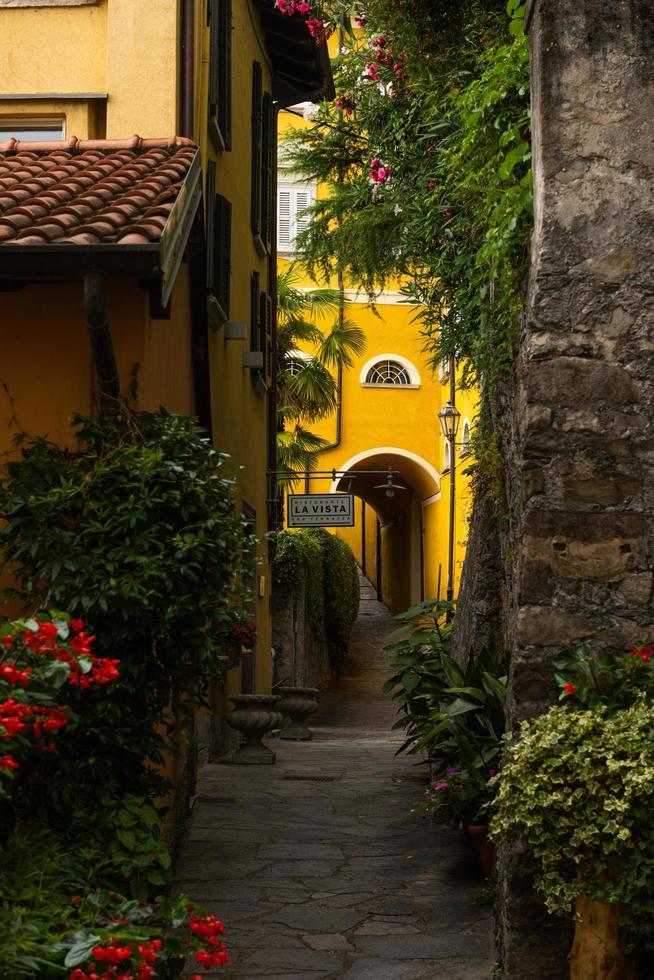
[300,659]
[582,516]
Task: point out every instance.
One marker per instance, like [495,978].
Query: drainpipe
[188,66]
[102,350]
[341,315]
[449,595]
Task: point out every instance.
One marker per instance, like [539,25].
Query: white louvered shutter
[302,201]
[284,211]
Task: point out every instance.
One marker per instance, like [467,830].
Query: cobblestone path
[316,865]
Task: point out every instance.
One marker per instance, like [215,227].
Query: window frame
[219,14]
[292,187]
[219,251]
[405,363]
[33,124]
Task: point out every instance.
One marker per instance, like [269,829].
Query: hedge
[326,566]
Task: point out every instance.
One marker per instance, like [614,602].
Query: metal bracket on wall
[235,331]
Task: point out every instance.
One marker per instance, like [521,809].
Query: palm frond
[343,342]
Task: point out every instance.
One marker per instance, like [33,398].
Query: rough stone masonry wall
[584,417]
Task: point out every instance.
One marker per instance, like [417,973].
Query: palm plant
[307,390]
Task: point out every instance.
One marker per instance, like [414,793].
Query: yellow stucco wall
[397,426]
[239,414]
[54,49]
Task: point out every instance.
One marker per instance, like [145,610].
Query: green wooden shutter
[255,309]
[267,168]
[220,74]
[257,128]
[265,334]
[222,253]
[210,197]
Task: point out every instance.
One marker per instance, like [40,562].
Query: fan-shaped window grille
[388,373]
[294,365]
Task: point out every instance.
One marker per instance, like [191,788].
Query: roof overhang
[301,68]
[160,261]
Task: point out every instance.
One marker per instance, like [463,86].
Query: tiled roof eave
[66,262]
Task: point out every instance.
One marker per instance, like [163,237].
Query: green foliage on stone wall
[297,563]
[342,594]
[325,565]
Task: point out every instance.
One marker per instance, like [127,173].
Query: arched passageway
[397,553]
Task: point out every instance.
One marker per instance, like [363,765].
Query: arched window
[447,457]
[389,370]
[465,438]
[387,373]
[294,365]
[295,361]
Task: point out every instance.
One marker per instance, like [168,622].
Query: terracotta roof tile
[90,192]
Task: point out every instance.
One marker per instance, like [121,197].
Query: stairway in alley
[317,866]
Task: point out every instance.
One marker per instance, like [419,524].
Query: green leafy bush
[326,566]
[136,531]
[454,715]
[298,562]
[58,911]
[577,786]
[342,594]
[589,677]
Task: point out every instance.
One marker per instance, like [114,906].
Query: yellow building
[161,244]
[387,422]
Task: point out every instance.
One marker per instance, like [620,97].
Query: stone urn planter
[297,703]
[253,716]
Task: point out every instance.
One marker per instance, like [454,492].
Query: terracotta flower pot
[483,848]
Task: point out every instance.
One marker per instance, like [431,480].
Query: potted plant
[461,797]
[577,786]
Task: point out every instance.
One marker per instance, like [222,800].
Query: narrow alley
[316,865]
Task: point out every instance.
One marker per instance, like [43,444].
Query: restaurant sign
[320,510]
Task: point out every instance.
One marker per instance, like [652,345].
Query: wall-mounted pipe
[102,349]
[187,86]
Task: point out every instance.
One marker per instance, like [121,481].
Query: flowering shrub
[589,678]
[459,796]
[128,940]
[241,632]
[379,172]
[138,532]
[316,24]
[38,658]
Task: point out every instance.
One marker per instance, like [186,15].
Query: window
[220,74]
[261,327]
[263,155]
[292,201]
[296,361]
[389,371]
[465,438]
[219,250]
[447,456]
[33,130]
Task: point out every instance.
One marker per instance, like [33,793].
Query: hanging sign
[320,510]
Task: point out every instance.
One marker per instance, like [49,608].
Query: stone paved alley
[316,865]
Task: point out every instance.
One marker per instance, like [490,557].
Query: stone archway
[400,515]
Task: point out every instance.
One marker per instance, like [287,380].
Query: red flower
[8,762]
[570,688]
